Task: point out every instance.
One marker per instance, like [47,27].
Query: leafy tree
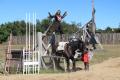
[3,35]
[44,25]
[99,31]
[19,28]
[108,29]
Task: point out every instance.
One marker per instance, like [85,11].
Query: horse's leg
[58,62]
[68,64]
[67,55]
[74,64]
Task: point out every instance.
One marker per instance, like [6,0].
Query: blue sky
[107,11]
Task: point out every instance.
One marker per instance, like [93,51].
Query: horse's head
[81,45]
[76,43]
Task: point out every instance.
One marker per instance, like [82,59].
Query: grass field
[109,51]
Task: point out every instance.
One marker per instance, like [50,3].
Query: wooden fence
[104,38]
[109,38]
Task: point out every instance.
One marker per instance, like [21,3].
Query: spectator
[85,59]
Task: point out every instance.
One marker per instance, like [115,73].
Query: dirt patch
[108,70]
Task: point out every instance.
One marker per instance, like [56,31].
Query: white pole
[26,33]
[35,32]
[25,54]
[33,44]
[38,61]
[29,44]
[24,58]
[33,29]
[23,62]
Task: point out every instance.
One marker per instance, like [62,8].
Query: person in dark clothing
[58,17]
[57,20]
[52,42]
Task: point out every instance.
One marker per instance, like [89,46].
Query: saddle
[61,46]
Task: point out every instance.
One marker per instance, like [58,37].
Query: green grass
[50,71]
[109,51]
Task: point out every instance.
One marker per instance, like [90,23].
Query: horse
[68,51]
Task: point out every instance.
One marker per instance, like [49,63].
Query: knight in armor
[76,43]
[57,20]
[91,39]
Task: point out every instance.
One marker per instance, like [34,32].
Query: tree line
[109,30]
[19,28]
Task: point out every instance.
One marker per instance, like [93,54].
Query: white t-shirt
[90,55]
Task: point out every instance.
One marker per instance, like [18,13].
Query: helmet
[58,12]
